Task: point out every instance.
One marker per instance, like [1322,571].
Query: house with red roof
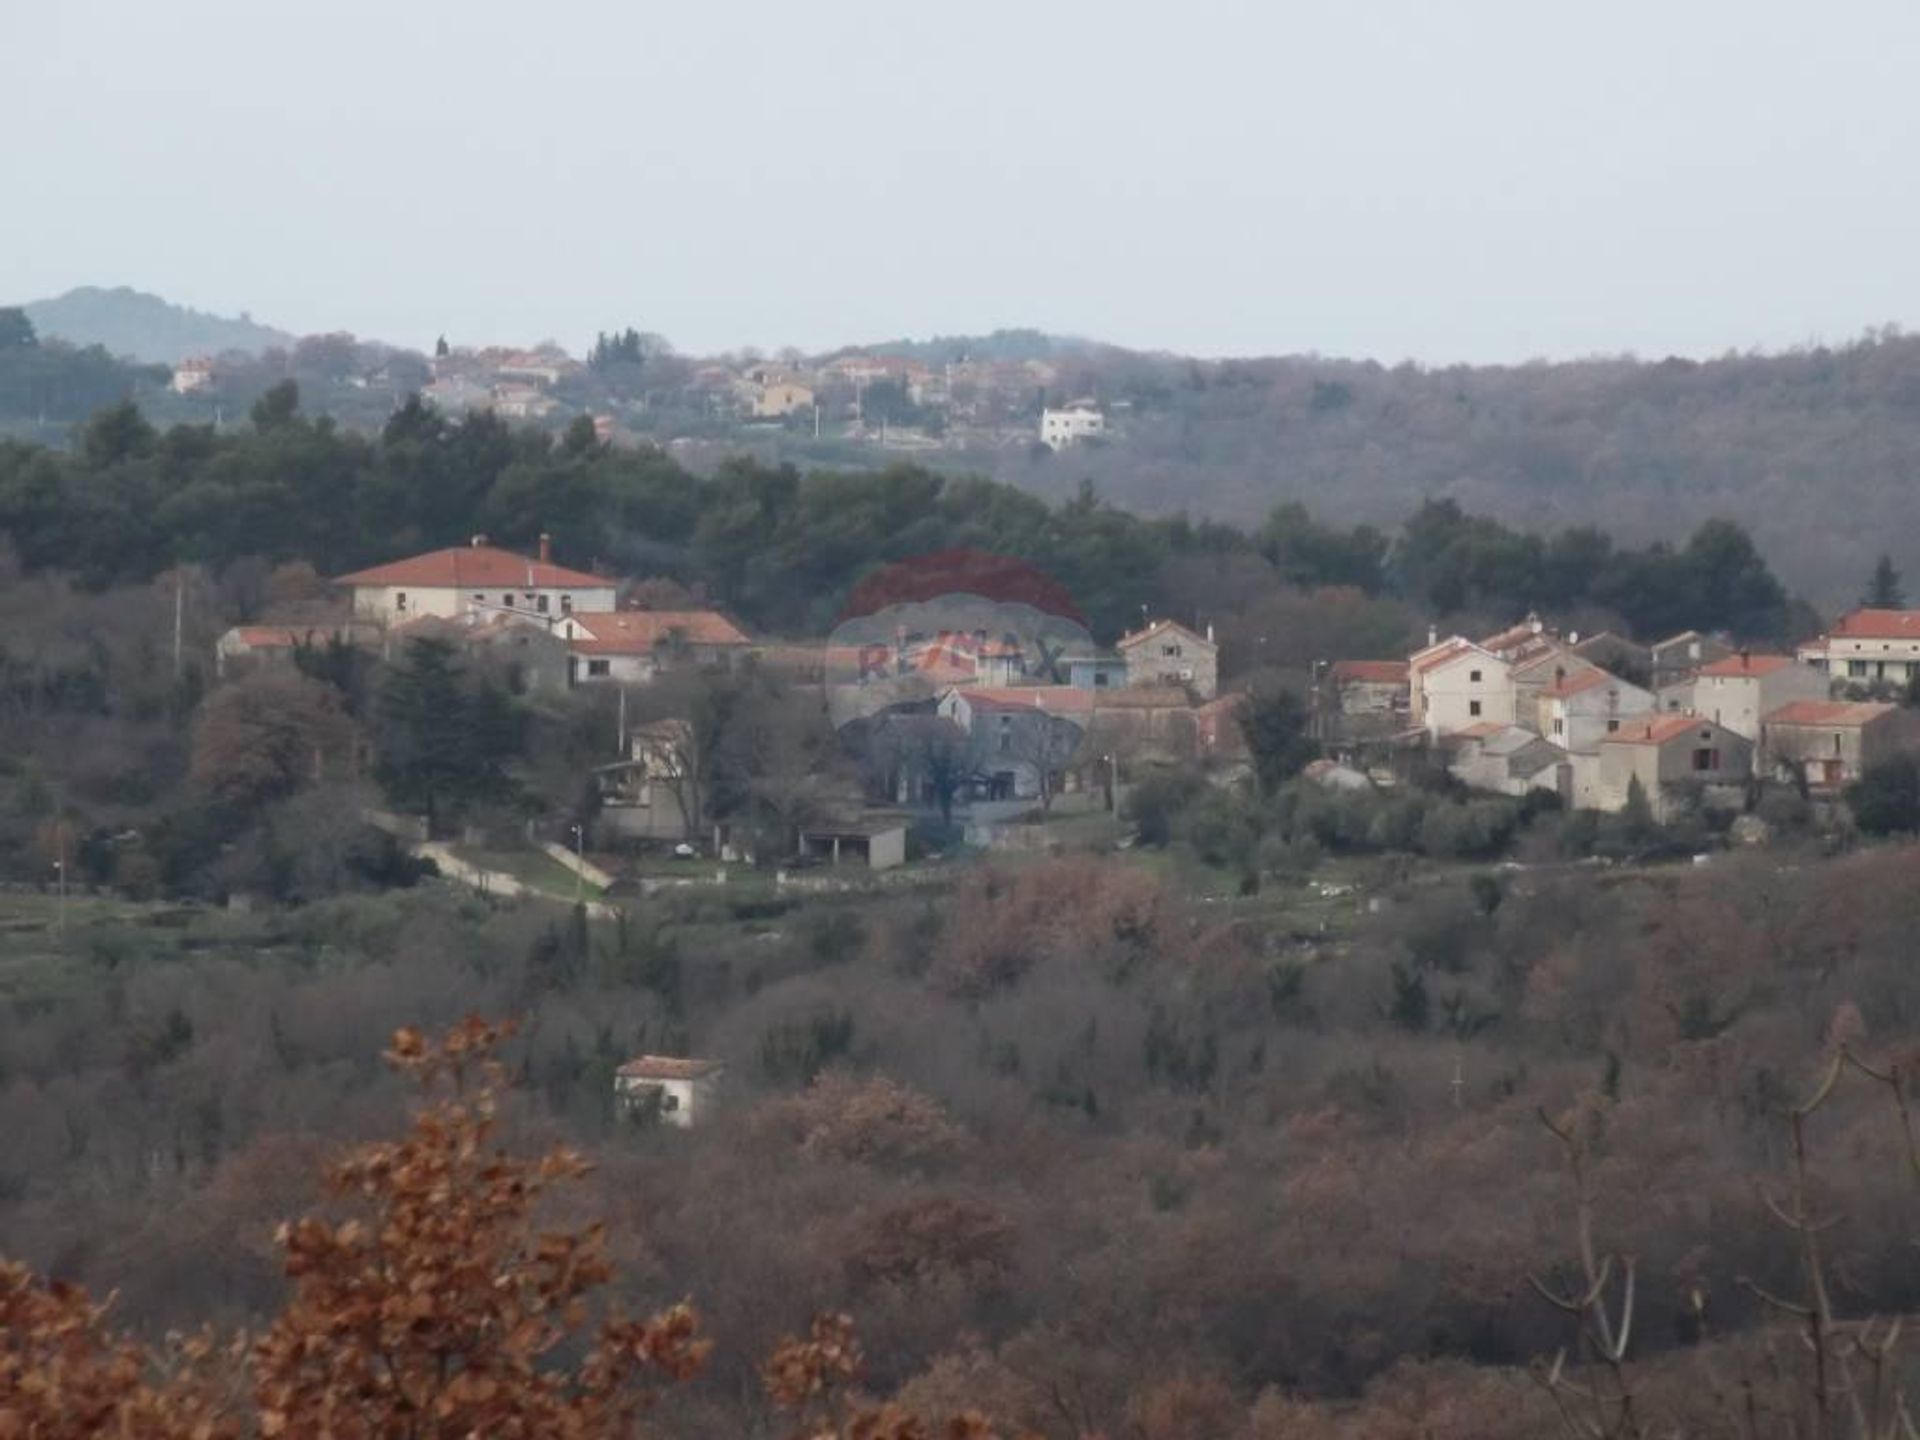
[633,646]
[1021,738]
[1168,653]
[477,577]
[667,1089]
[1867,647]
[1675,759]
[1455,683]
[1583,707]
[1828,743]
[1739,690]
[1365,699]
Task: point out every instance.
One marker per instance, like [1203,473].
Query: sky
[1435,180]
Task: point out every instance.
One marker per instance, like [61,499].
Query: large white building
[1867,647]
[479,577]
[1066,427]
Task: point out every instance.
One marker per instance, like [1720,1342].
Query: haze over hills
[129,322]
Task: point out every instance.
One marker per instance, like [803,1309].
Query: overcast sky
[1430,179]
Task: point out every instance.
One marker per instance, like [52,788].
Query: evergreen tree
[1275,725]
[443,745]
[1884,591]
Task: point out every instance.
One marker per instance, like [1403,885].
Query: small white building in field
[672,1089]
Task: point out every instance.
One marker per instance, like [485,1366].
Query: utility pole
[580,862]
[179,609]
[620,740]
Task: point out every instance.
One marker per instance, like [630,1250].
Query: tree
[16,330]
[1885,800]
[278,408]
[1274,723]
[266,735]
[443,744]
[1884,591]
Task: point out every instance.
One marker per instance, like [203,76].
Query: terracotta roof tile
[1370,672]
[1840,714]
[1867,624]
[640,632]
[1741,666]
[470,567]
[1657,730]
[668,1067]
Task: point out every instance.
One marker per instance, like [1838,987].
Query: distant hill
[133,323]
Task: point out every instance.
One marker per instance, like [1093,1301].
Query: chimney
[1433,634]
[477,541]
[1209,632]
[546,548]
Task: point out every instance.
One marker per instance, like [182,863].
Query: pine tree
[1884,591]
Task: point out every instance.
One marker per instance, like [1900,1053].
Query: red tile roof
[1145,697]
[1370,672]
[1140,636]
[1054,699]
[1579,681]
[1866,624]
[1479,730]
[1739,666]
[476,567]
[1840,714]
[667,1067]
[1657,730]
[640,632]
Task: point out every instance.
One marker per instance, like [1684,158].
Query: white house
[191,375]
[1064,428]
[1867,647]
[673,1089]
[1741,690]
[632,646]
[1584,708]
[454,582]
[1456,684]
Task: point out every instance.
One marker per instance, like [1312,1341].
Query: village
[636,390]
[973,737]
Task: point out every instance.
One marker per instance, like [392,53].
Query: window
[1559,727]
[478,598]
[1172,650]
[1473,707]
[507,600]
[566,604]
[1706,758]
[599,667]
[1100,678]
[541,604]
[1856,667]
[399,599]
[1473,676]
[1612,726]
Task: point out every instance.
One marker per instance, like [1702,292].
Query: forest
[1261,1126]
[1816,449]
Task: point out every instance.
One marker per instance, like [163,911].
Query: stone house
[1738,690]
[1675,758]
[1585,707]
[1168,653]
[1828,743]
